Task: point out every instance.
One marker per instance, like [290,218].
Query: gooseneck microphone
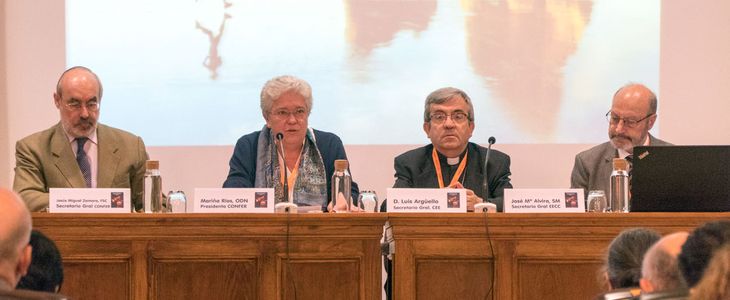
[279,140]
[486,205]
[288,205]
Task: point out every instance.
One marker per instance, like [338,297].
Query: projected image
[190,72]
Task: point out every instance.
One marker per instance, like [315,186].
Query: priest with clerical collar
[451,160]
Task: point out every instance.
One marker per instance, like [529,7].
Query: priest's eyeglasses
[458,117]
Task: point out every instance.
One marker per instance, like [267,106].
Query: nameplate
[543,201]
[233,200]
[426,200]
[83,200]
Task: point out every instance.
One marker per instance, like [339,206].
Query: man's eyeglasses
[283,114]
[631,123]
[92,106]
[458,117]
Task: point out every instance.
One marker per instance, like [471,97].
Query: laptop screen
[680,178]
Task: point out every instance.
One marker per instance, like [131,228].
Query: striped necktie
[83,160]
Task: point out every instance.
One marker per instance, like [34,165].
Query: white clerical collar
[453,160]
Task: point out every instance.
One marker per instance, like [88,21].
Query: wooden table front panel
[220,256]
[535,256]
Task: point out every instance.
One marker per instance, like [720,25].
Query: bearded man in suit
[78,152]
[632,115]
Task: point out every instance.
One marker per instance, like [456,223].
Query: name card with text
[233,200]
[62,200]
[543,201]
[426,200]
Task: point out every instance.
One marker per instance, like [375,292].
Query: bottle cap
[341,164]
[152,164]
[620,164]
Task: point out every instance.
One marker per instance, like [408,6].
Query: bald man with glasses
[78,152]
[632,115]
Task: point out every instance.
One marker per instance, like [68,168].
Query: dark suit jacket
[592,168]
[45,160]
[242,173]
[414,169]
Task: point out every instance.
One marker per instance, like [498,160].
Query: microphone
[286,206]
[486,206]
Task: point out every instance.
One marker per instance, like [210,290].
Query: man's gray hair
[275,87]
[442,95]
[662,270]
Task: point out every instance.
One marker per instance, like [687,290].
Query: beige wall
[694,104]
[4,142]
[34,56]
[695,68]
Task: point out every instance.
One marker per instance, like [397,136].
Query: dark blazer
[592,168]
[45,160]
[242,173]
[414,169]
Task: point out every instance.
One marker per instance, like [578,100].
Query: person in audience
[78,152]
[624,257]
[699,248]
[633,113]
[15,250]
[309,154]
[715,283]
[46,268]
[451,160]
[660,271]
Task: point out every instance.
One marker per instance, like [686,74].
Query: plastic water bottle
[619,186]
[341,181]
[153,198]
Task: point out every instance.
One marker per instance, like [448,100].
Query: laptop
[680,179]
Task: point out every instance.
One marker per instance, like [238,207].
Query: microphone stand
[288,205]
[486,206]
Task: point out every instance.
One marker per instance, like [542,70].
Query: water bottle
[153,198]
[619,187]
[341,181]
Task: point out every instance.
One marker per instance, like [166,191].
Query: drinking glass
[176,202]
[596,201]
[368,201]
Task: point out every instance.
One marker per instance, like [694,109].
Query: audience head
[660,270]
[625,253]
[448,120]
[632,115]
[78,97]
[715,283]
[697,250]
[15,227]
[46,269]
[286,102]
